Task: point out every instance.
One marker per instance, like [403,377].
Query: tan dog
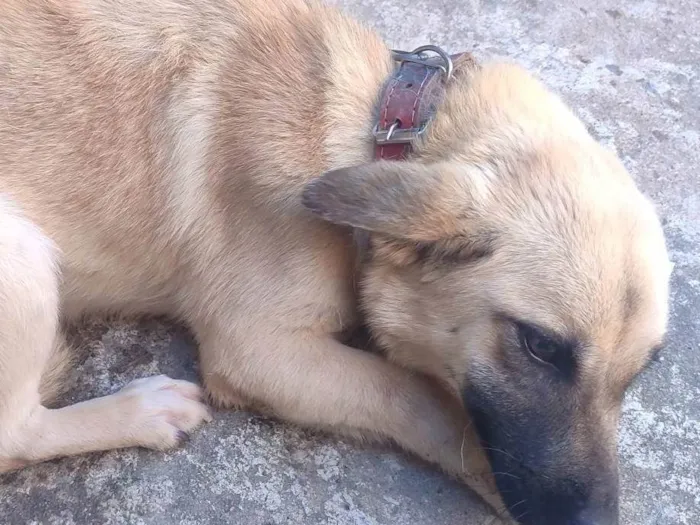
[154,157]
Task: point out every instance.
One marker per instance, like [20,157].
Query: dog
[236,166]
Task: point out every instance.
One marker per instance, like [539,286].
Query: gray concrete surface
[630,69]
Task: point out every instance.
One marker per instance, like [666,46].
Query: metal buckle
[396,135]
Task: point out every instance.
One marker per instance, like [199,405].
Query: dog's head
[514,258]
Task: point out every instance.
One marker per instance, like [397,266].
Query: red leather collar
[410,99]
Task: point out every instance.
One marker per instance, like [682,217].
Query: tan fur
[153,157]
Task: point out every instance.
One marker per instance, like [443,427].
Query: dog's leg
[321,383]
[151,412]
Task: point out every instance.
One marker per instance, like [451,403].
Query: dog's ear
[410,201]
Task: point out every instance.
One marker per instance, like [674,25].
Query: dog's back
[84,134]
[120,120]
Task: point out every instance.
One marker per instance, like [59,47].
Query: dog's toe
[161,410]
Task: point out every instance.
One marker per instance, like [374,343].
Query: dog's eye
[540,346]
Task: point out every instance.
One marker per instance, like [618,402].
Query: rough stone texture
[630,69]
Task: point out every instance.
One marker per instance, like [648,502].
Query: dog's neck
[409,99]
[406,103]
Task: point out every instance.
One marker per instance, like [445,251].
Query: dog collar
[410,98]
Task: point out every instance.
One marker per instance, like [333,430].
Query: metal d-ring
[417,56]
[448,67]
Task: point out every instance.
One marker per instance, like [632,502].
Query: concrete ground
[630,69]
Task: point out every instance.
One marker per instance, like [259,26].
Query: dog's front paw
[160,412]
